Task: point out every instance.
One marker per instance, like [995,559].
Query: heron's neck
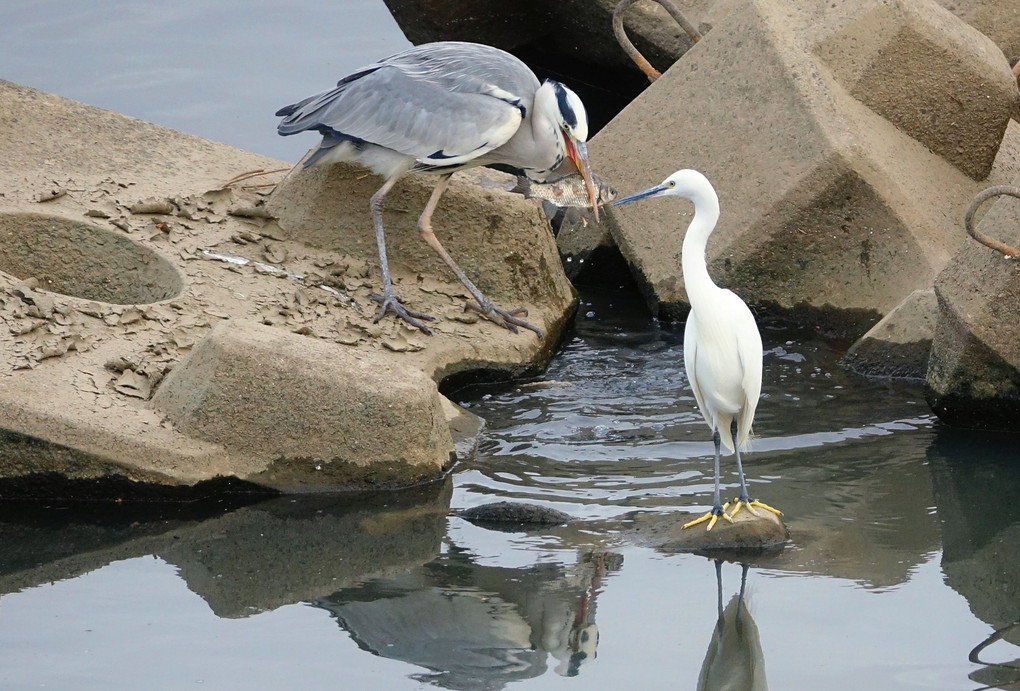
[537,144]
[697,282]
[545,143]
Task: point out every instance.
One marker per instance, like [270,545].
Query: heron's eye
[566,127]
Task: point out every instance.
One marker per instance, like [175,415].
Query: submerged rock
[514,514]
[747,534]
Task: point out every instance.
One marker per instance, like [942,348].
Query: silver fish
[567,191]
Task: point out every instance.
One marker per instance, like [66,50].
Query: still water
[903,570]
[903,562]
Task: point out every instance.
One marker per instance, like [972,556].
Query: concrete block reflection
[242,562]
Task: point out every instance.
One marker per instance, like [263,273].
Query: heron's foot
[712,516]
[749,504]
[505,318]
[389,303]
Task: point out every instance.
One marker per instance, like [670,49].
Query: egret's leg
[718,589]
[388,301]
[717,508]
[744,497]
[739,620]
[482,305]
[716,503]
[744,500]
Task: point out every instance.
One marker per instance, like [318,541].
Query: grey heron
[439,108]
[722,345]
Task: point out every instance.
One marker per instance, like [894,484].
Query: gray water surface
[216,69]
[905,554]
[903,557]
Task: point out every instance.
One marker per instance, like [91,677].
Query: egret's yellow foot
[711,517]
[740,503]
[755,502]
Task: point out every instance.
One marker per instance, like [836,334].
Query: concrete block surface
[127,252]
[317,415]
[831,208]
[899,345]
[973,376]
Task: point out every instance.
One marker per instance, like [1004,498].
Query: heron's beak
[578,152]
[650,192]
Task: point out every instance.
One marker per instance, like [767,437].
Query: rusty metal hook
[975,654]
[968,219]
[628,47]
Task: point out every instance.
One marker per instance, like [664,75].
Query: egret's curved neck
[697,282]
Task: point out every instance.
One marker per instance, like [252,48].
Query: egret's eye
[671,184]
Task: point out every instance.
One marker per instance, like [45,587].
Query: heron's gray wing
[468,68]
[441,118]
[442,103]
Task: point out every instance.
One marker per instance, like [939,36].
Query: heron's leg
[744,500]
[484,306]
[388,301]
[717,508]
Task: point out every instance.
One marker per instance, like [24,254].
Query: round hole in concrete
[84,260]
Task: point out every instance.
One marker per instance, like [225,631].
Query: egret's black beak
[650,192]
[578,152]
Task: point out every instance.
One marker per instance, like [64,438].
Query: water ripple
[612,425]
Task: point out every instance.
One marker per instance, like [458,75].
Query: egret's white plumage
[722,345]
[439,108]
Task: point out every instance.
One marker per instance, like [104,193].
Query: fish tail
[523,186]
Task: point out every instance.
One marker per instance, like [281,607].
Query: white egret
[439,108]
[722,346]
[734,659]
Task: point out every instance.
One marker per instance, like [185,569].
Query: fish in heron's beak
[578,153]
[650,192]
[568,192]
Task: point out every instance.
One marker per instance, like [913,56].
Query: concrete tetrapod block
[506,250]
[525,24]
[899,345]
[933,76]
[826,204]
[308,409]
[974,372]
[999,20]
[123,245]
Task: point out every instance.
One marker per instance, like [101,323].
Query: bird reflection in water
[734,660]
[475,626]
